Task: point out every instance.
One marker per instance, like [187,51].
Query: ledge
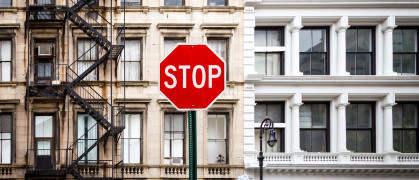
[175,25]
[133,83]
[133,100]
[187,9]
[133,25]
[9,84]
[229,9]
[10,25]
[218,101]
[219,26]
[143,9]
[95,25]
[372,79]
[9,101]
[8,9]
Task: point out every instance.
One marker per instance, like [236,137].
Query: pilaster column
[389,25]
[342,102]
[295,123]
[341,60]
[295,46]
[389,102]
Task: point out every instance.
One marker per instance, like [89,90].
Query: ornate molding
[342,28]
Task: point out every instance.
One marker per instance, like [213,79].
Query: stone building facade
[39,121]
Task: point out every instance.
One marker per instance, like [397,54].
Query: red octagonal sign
[192,76]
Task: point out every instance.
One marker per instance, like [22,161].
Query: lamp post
[267,124]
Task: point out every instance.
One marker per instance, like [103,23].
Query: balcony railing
[348,158]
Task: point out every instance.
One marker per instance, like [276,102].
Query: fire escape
[50,78]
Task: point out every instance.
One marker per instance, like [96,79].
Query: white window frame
[272,49]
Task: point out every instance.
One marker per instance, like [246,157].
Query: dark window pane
[351,111]
[397,140]
[274,112]
[410,40]
[260,112]
[260,63]
[305,116]
[6,3]
[410,115]
[260,37]
[397,116]
[319,115]
[364,40]
[351,40]
[409,141]
[318,141]
[363,62]
[408,64]
[305,64]
[217,2]
[351,140]
[305,41]
[273,38]
[173,2]
[130,2]
[305,140]
[363,141]
[398,40]
[397,66]
[317,64]
[6,123]
[350,63]
[364,116]
[319,40]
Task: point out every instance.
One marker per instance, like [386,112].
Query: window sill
[229,9]
[8,9]
[8,83]
[133,83]
[187,9]
[143,9]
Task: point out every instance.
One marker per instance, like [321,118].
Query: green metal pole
[192,145]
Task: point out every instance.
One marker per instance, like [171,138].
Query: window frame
[227,140]
[277,126]
[53,140]
[226,3]
[372,53]
[267,51]
[141,135]
[416,129]
[417,45]
[11,59]
[140,39]
[96,46]
[87,161]
[185,137]
[326,65]
[373,125]
[183,3]
[327,129]
[140,3]
[11,139]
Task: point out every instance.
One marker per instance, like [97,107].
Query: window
[360,127]
[87,55]
[132,138]
[173,2]
[44,135]
[314,47]
[170,44]
[45,2]
[217,139]
[269,60]
[314,127]
[405,127]
[5,59]
[174,136]
[130,2]
[5,138]
[275,111]
[87,136]
[132,56]
[217,2]
[359,51]
[5,3]
[219,46]
[405,51]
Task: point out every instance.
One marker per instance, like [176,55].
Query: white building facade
[340,81]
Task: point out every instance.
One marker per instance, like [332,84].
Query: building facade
[74,74]
[339,80]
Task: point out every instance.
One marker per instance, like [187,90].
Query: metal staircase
[86,96]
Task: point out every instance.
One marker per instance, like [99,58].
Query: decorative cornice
[295,28]
[133,100]
[175,25]
[296,105]
[9,101]
[389,28]
[133,25]
[9,26]
[341,105]
[219,26]
[388,105]
[342,28]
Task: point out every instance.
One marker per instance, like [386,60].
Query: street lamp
[267,124]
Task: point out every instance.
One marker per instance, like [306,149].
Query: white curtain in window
[43,126]
[132,138]
[87,136]
[132,57]
[5,58]
[217,138]
[170,44]
[84,54]
[219,47]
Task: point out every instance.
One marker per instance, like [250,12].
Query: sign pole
[192,145]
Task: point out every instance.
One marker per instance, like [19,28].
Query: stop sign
[192,76]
